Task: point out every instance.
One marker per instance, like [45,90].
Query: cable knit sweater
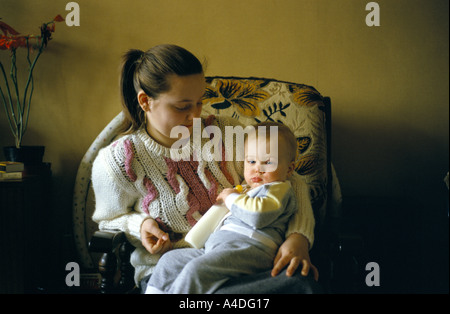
[135,177]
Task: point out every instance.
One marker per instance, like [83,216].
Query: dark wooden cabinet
[24,233]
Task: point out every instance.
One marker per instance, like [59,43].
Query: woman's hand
[292,253]
[153,238]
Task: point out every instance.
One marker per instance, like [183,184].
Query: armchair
[249,100]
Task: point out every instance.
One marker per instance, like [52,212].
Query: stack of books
[11,170]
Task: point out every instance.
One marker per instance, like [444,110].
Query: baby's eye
[251,161]
[271,162]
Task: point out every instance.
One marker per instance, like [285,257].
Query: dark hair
[150,71]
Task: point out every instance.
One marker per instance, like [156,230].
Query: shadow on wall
[378,159]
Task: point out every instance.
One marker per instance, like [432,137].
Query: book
[11,166]
[6,176]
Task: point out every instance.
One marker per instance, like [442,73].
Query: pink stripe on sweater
[152,193]
[199,198]
[129,159]
[172,169]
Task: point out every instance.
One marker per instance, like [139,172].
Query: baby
[249,238]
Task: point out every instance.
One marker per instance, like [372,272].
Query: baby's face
[264,165]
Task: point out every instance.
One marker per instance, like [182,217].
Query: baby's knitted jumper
[135,177]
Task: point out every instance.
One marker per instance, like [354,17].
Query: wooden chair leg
[126,282]
[107,267]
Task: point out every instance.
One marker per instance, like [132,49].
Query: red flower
[10,42]
[58,18]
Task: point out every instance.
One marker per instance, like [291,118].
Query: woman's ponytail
[134,116]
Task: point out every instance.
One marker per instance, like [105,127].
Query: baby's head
[269,159]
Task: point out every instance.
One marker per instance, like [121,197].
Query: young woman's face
[177,107]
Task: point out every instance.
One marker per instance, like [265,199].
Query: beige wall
[388,84]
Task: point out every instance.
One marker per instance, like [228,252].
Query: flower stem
[9,111]
[27,102]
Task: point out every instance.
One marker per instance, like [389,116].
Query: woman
[141,190]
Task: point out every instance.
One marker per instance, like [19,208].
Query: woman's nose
[192,115]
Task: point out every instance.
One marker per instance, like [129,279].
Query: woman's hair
[150,72]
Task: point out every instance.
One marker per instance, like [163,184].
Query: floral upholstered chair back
[298,106]
[249,100]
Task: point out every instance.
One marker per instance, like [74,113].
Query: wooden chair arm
[106,241]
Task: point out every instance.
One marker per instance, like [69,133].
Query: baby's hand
[223,195]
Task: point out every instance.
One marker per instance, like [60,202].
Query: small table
[24,233]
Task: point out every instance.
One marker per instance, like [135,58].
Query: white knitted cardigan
[135,177]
